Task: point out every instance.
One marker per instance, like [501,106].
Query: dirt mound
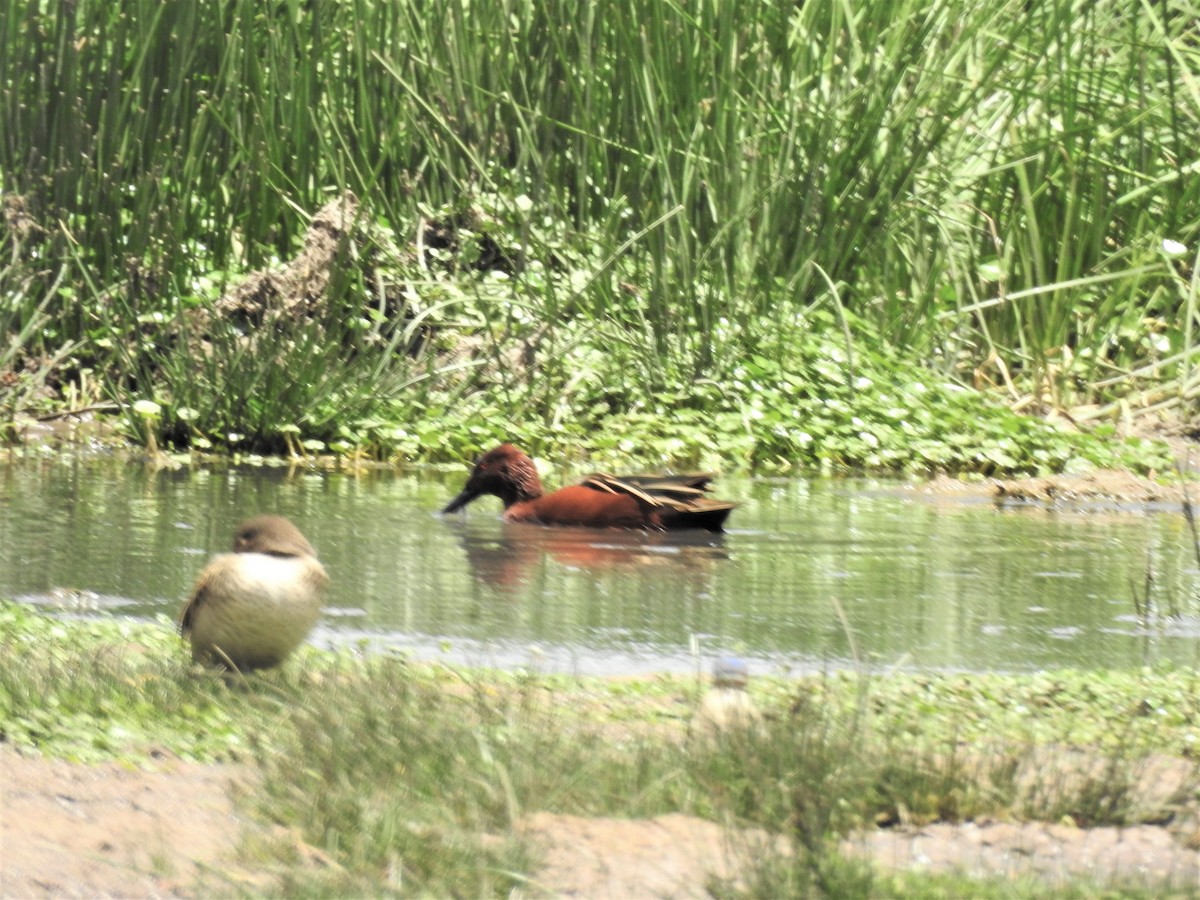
[667,856]
[1054,853]
[107,830]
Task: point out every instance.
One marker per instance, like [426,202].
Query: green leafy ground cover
[97,688]
[817,236]
[378,760]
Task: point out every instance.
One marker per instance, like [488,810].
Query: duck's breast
[255,608]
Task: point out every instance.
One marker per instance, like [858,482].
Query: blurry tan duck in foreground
[252,607]
[727,706]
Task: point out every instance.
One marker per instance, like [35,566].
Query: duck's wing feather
[214,571]
[654,490]
[678,501]
[184,621]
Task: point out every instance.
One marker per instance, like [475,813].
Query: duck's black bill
[460,501]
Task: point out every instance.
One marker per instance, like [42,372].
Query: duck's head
[505,472]
[272,535]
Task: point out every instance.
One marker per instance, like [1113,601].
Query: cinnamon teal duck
[665,502]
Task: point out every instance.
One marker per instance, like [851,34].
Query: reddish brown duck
[666,502]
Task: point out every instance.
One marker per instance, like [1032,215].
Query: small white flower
[1173,248]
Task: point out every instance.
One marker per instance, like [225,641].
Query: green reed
[974,183]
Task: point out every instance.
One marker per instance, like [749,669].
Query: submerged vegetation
[815,235]
[404,774]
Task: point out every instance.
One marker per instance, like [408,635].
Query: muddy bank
[1111,488]
[110,830]
[172,830]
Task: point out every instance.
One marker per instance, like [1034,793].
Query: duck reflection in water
[506,557]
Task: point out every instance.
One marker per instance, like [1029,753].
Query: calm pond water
[812,574]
